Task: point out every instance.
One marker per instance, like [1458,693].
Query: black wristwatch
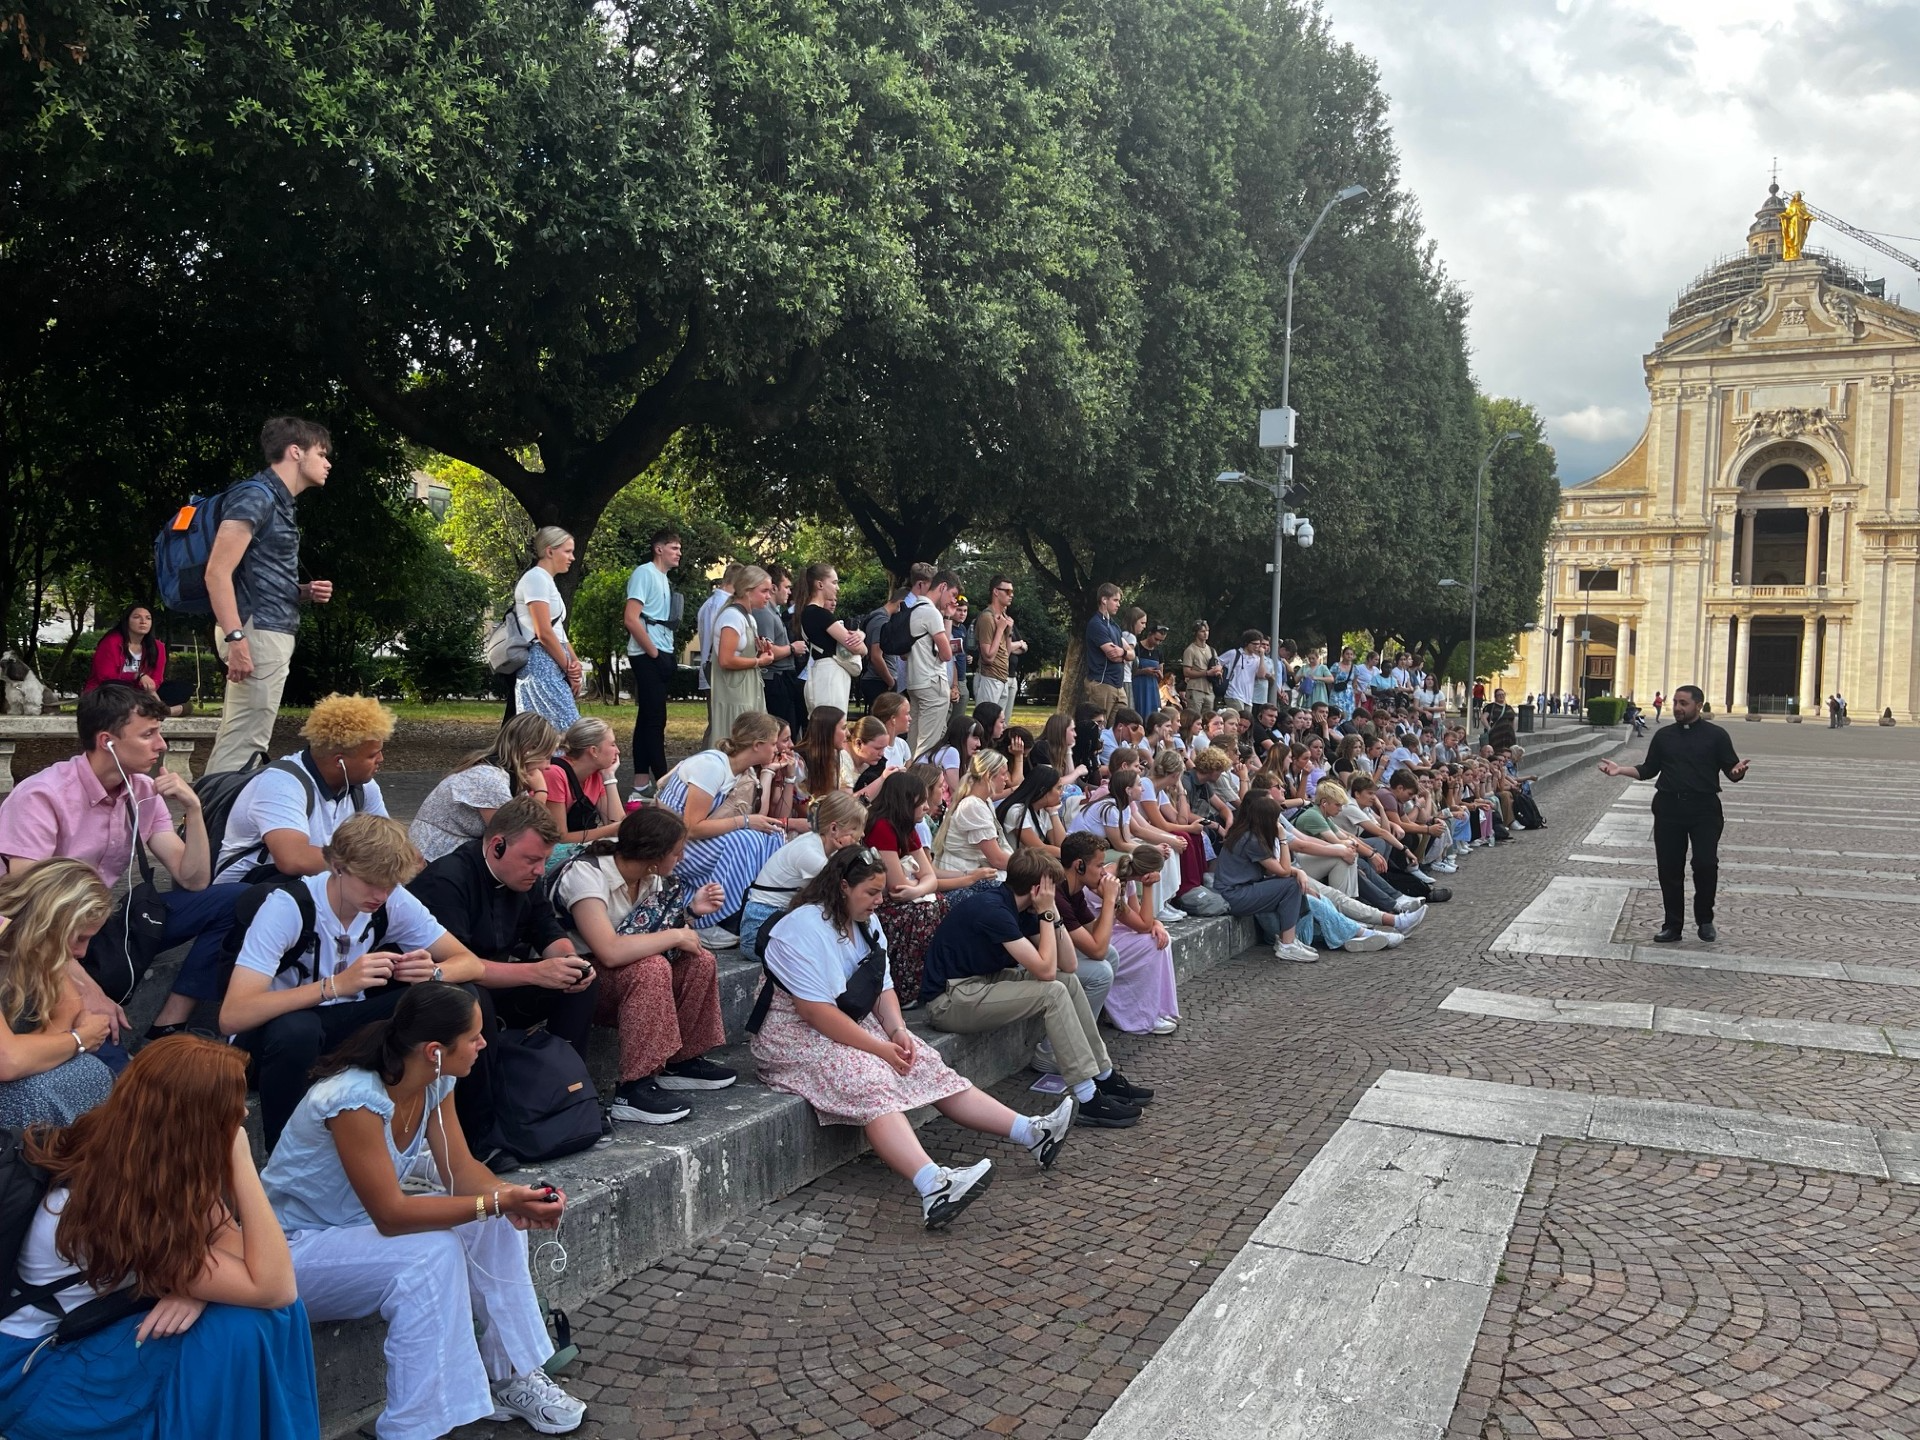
[233,635]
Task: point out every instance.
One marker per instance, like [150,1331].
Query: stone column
[1809,677]
[1623,667]
[1740,698]
[1710,658]
[1569,654]
[1813,546]
[1746,547]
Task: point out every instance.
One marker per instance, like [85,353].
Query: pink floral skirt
[845,1086]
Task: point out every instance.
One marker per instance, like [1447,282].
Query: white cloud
[1597,424]
[1580,163]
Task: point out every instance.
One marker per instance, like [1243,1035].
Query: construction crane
[1871,241]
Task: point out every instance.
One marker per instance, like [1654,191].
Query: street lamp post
[1350,192]
[1473,620]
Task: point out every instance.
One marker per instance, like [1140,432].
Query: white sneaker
[1422,876]
[1406,903]
[958,1189]
[1053,1133]
[1372,940]
[1443,867]
[719,938]
[1407,919]
[1170,916]
[1164,1026]
[538,1401]
[1300,954]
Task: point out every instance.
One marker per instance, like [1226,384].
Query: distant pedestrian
[254,585]
[1686,764]
[1658,701]
[648,618]
[550,682]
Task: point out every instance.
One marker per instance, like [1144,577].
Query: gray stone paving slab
[1776,867]
[1574,915]
[1716,1130]
[1419,1203]
[1307,1347]
[1901,1151]
[1773,1030]
[1518,1118]
[1702,958]
[1621,1014]
[1615,828]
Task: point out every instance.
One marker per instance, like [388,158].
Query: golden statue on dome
[1794,221]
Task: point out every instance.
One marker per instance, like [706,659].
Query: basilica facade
[1762,540]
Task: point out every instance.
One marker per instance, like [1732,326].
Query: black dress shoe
[1667,936]
[1707,932]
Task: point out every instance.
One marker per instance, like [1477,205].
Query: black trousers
[567,1015]
[786,701]
[1680,822]
[285,1048]
[650,680]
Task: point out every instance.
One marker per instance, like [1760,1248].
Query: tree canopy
[951,277]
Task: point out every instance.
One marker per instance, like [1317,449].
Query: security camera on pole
[1277,430]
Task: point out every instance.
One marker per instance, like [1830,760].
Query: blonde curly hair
[341,723]
[46,907]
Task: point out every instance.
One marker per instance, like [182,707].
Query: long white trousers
[429,1288]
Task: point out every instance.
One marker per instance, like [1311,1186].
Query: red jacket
[110,660]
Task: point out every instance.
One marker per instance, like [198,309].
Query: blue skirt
[238,1374]
[1146,694]
[543,689]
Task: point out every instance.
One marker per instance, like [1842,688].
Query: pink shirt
[64,810]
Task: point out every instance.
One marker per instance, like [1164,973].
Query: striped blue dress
[731,860]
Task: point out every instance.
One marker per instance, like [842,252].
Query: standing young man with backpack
[254,586]
[929,684]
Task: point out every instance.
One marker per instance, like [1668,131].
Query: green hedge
[1606,710]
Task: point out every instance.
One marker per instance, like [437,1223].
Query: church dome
[1732,278]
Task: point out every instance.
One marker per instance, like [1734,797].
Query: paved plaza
[1564,1182]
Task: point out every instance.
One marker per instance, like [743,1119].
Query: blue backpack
[181,548]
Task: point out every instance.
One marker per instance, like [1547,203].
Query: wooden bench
[183,737]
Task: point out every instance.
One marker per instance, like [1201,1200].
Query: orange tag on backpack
[184,518]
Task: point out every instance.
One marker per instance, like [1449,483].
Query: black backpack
[220,792]
[23,1185]
[896,636]
[295,958]
[544,1101]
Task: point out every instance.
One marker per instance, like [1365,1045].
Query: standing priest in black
[1685,762]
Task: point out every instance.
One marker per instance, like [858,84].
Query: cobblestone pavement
[1643,1293]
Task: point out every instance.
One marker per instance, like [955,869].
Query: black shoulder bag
[856,1001]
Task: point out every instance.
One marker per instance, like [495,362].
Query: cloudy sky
[1580,161]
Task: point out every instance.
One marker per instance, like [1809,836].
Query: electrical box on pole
[1276,428]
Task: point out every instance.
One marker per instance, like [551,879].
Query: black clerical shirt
[1688,760]
[492,921]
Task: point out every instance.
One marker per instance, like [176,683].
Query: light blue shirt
[648,585]
[305,1182]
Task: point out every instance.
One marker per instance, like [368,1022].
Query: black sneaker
[697,1074]
[1439,895]
[1121,1088]
[1107,1112]
[645,1103]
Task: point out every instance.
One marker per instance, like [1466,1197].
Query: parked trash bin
[1526,719]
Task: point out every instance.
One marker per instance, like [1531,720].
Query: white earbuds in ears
[436,1064]
[109,744]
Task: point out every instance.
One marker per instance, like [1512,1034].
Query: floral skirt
[909,926]
[543,689]
[845,1086]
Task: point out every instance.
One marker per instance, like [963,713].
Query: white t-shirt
[1097,818]
[276,926]
[600,879]
[973,821]
[787,871]
[1020,820]
[925,669]
[41,1264]
[897,753]
[711,771]
[274,800]
[947,757]
[537,584]
[813,960]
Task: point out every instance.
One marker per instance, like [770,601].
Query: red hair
[148,1171]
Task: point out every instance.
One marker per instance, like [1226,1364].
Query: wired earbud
[109,744]
[499,849]
[436,1064]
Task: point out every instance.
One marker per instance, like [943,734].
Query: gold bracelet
[479,1207]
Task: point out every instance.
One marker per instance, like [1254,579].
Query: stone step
[658,1190]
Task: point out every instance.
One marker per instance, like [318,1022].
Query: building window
[1599,580]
